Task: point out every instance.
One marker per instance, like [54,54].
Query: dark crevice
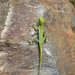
[73,29]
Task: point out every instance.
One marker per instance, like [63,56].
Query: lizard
[41,38]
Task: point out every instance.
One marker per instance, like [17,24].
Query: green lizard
[41,39]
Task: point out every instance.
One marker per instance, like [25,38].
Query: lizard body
[41,39]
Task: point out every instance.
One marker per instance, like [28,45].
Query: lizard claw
[30,42]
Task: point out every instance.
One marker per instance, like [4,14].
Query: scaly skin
[41,39]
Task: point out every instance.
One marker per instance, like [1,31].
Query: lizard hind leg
[45,39]
[34,40]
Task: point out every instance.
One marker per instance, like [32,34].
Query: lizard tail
[40,59]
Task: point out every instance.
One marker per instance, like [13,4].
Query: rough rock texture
[17,57]
[60,18]
[3,13]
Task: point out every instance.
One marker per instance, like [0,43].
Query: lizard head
[41,20]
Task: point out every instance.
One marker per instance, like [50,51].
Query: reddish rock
[61,33]
[18,58]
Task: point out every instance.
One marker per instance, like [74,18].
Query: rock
[3,13]
[61,33]
[17,56]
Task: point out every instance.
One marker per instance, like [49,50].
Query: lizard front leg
[34,40]
[35,28]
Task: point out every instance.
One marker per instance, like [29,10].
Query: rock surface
[17,57]
[60,18]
